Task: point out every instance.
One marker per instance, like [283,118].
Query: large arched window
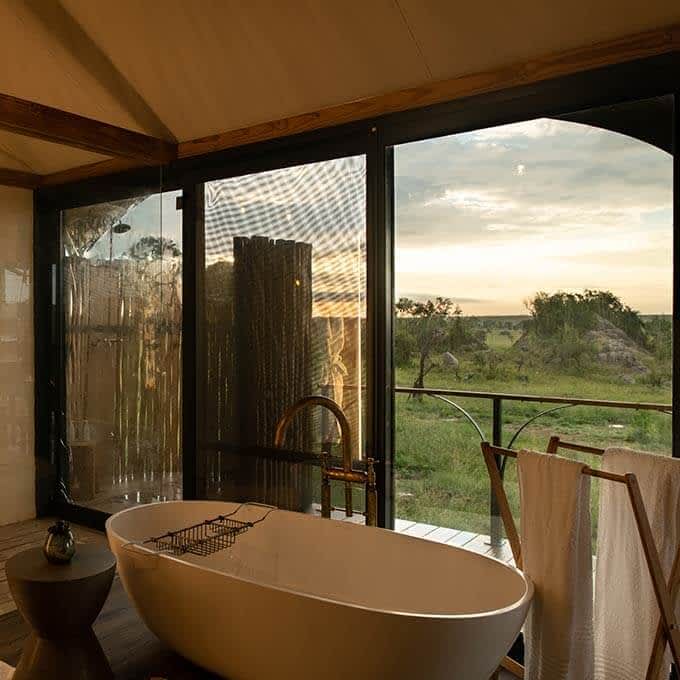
[530,259]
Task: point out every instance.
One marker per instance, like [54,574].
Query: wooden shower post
[271,362]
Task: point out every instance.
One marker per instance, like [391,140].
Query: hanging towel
[626,611]
[557,554]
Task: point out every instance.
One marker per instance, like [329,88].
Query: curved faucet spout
[317,400]
[345,437]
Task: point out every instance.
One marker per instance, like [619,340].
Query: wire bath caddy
[207,537]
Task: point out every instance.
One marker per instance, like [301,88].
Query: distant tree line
[555,334]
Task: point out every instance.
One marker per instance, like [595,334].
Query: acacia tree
[430,322]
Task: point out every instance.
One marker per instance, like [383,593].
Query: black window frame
[375,138]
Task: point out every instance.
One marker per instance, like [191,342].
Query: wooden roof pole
[54,125]
[19,178]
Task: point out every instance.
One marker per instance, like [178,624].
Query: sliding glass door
[148,404]
[121,273]
[284,299]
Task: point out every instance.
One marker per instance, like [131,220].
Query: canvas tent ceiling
[184,69]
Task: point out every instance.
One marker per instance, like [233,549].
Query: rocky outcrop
[614,347]
[611,346]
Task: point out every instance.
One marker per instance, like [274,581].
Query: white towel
[6,671]
[557,555]
[626,611]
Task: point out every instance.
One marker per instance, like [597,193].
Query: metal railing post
[496,528]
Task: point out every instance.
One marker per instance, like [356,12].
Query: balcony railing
[497,434]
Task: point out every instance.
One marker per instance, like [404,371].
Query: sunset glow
[490,217]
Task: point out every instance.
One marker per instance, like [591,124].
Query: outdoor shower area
[283,315]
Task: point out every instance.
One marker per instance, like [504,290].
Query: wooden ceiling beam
[53,125]
[19,178]
[91,170]
[648,44]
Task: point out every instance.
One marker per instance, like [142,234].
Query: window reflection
[285,310]
[123,308]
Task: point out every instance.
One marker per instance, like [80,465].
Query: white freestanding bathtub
[298,597]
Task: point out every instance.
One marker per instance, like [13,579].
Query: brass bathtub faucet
[346,473]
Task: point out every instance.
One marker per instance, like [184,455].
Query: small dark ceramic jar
[60,545]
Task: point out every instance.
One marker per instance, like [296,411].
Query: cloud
[595,205]
[473,201]
[529,129]
[450,190]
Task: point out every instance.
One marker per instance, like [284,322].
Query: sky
[487,218]
[154,215]
[323,204]
[490,217]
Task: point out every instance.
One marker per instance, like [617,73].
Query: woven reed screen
[284,317]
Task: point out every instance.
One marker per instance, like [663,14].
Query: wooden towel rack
[665,593]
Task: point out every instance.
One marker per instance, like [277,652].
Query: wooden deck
[478,543]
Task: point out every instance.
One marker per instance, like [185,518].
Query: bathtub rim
[518,604]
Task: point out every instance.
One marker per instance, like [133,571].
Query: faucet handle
[371,494]
[325,486]
[370,470]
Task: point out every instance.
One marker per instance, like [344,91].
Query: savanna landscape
[588,345]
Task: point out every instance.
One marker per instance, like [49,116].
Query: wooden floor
[132,649]
[478,543]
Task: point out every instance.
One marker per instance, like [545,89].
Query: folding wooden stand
[665,592]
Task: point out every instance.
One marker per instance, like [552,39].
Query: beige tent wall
[236,64]
[17,466]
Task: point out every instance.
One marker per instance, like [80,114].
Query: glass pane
[531,259]
[123,312]
[285,310]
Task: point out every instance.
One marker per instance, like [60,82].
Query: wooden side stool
[61,602]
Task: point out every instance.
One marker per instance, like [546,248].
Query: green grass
[440,474]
